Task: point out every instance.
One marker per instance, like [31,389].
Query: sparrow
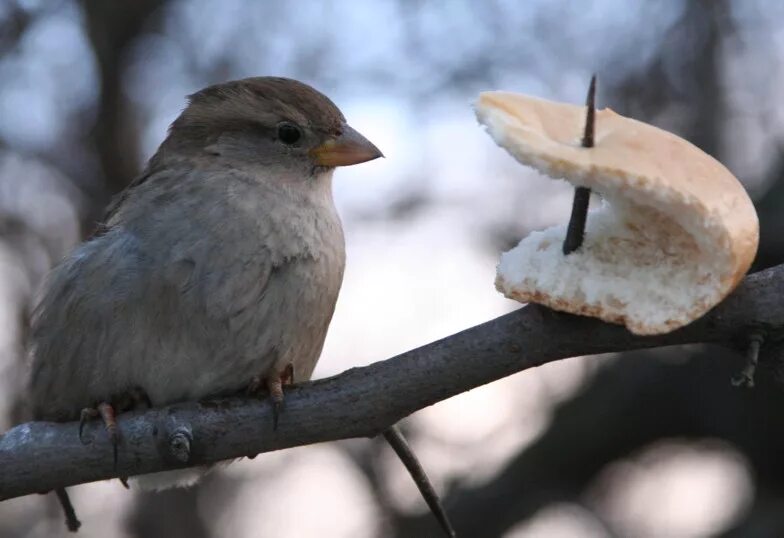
[215,271]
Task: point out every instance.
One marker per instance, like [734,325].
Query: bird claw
[276,407]
[274,386]
[287,377]
[86,414]
[110,423]
[107,414]
[254,386]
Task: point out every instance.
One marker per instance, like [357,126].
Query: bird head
[271,122]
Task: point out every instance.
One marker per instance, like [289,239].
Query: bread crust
[631,163]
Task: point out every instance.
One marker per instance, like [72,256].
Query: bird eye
[289,134]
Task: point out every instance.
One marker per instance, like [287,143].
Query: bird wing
[168,298]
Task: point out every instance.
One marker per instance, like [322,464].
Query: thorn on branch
[395,438]
[575,232]
[71,521]
[746,376]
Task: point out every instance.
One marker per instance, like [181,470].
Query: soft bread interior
[673,236]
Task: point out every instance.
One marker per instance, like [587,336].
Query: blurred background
[641,445]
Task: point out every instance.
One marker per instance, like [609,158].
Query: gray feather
[200,281]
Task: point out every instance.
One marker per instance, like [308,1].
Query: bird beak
[344,150]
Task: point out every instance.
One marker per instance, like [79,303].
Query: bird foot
[130,399]
[274,386]
[746,377]
[106,411]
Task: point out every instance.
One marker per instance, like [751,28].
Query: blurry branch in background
[361,402]
[15,23]
[112,26]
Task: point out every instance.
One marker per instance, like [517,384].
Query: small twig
[746,377]
[590,116]
[575,232]
[71,521]
[395,438]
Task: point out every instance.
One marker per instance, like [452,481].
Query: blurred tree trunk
[113,25]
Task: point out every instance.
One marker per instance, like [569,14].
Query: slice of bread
[675,232]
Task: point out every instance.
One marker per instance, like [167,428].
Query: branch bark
[361,402]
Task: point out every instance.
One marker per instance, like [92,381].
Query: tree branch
[361,402]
